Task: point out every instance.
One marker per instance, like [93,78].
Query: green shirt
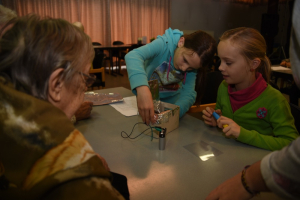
[273,131]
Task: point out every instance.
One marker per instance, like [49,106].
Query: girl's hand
[232,129]
[208,117]
[145,104]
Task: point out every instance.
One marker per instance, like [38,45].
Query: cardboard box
[169,118]
[167,114]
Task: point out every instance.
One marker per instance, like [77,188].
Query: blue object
[216,115]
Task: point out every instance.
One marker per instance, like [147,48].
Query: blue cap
[216,115]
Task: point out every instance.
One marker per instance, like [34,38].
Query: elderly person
[44,66]
[7,16]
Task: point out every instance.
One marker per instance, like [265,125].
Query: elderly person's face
[68,97]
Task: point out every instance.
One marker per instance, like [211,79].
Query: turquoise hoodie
[155,61]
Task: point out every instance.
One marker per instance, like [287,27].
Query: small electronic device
[162,138]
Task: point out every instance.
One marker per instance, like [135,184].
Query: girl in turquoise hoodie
[173,59]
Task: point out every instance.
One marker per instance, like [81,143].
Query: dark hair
[205,46]
[34,48]
[251,45]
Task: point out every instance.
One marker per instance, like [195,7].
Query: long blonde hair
[251,45]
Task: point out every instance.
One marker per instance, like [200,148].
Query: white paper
[128,107]
[280,68]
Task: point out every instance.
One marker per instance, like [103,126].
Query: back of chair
[96,44]
[97,50]
[115,53]
[118,43]
[296,114]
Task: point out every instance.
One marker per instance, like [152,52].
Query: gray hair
[6,15]
[34,48]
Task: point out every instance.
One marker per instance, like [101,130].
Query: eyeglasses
[88,79]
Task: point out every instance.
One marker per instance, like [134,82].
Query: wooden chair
[100,84]
[200,108]
[119,55]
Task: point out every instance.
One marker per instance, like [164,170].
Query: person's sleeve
[69,172]
[135,62]
[281,173]
[284,131]
[188,94]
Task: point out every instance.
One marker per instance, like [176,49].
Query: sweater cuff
[244,135]
[270,176]
[137,81]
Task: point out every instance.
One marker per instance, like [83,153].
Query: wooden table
[197,158]
[284,75]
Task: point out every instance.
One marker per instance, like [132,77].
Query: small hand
[84,110]
[145,104]
[230,189]
[232,129]
[208,117]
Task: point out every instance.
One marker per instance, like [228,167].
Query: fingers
[219,112]
[207,116]
[152,119]
[147,115]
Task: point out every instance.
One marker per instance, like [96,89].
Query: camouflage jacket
[42,155]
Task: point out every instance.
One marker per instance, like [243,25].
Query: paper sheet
[128,107]
[280,68]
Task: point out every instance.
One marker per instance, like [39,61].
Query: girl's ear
[255,63]
[55,86]
[181,42]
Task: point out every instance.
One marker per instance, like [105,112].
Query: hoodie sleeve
[188,94]
[135,62]
[281,173]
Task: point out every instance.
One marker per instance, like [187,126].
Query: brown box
[169,118]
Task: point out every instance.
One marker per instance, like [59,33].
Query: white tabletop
[281,69]
[179,171]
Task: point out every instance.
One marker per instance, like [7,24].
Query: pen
[216,116]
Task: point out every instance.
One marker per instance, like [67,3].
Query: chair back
[296,114]
[118,43]
[97,50]
[96,44]
[115,53]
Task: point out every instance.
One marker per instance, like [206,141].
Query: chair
[98,67]
[96,44]
[200,108]
[119,55]
[100,81]
[296,114]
